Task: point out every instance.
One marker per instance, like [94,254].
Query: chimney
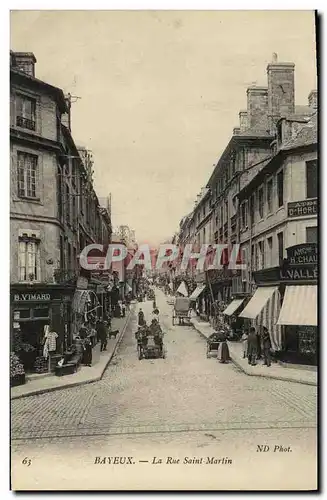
[236,130]
[313,99]
[243,116]
[25,61]
[281,91]
[257,113]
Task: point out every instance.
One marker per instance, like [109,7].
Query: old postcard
[164,261]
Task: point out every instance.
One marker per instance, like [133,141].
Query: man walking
[102,332]
[266,344]
[252,346]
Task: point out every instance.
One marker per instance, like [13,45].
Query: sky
[160,93]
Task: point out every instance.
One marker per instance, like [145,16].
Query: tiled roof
[308,134]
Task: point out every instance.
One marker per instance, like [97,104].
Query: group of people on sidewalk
[91,333]
[256,346]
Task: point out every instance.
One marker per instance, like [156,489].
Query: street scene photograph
[163,250]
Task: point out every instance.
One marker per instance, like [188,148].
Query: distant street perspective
[164,258]
[184,402]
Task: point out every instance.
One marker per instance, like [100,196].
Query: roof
[307,135]
[56,91]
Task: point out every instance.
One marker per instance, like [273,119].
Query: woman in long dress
[223,353]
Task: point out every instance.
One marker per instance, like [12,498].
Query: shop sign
[300,208]
[82,283]
[32,297]
[306,253]
[299,273]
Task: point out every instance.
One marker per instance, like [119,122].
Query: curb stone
[83,382]
[262,375]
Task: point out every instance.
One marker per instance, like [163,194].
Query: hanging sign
[300,208]
[306,253]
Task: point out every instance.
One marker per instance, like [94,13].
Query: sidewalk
[276,371]
[85,374]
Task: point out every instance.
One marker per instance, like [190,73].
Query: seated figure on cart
[156,331]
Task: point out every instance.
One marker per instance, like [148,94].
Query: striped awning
[233,306]
[299,306]
[197,292]
[258,302]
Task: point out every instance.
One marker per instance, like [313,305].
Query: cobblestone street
[183,398]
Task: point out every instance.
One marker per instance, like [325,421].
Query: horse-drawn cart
[181,311]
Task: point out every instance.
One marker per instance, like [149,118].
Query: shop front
[292,316]
[36,311]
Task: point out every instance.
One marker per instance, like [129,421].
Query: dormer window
[25,112]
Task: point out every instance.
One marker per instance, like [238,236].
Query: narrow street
[149,408]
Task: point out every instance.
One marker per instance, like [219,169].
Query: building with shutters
[279,217]
[54,210]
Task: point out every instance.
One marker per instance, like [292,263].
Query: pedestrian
[252,346]
[259,349]
[245,344]
[87,358]
[223,351]
[123,309]
[102,334]
[141,320]
[266,344]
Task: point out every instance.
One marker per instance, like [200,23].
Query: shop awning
[182,289]
[197,292]
[79,300]
[299,306]
[233,306]
[258,302]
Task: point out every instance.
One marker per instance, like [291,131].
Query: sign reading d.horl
[300,208]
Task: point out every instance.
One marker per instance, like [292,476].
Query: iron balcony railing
[25,123]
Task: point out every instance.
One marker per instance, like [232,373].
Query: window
[74,210]
[253,258]
[312,234]
[62,253]
[67,203]
[270,196]
[216,220]
[269,251]
[311,174]
[252,208]
[280,239]
[59,194]
[204,210]
[261,255]
[226,211]
[233,162]
[69,255]
[244,215]
[29,260]
[221,216]
[280,188]
[204,235]
[260,202]
[74,258]
[27,173]
[25,112]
